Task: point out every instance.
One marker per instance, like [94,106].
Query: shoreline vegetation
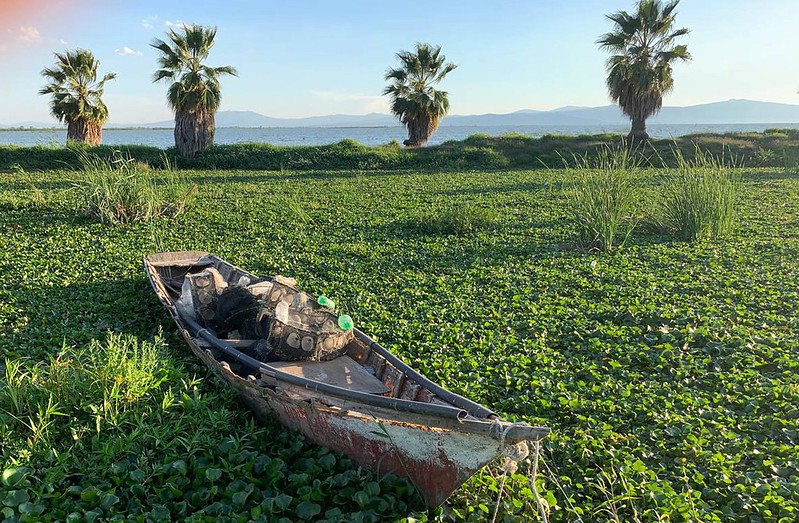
[770,148]
[666,366]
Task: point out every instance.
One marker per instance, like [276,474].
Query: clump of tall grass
[604,197]
[79,389]
[697,199]
[118,189]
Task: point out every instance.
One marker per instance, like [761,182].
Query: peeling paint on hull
[436,460]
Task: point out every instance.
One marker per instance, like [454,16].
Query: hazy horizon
[447,120]
[319,59]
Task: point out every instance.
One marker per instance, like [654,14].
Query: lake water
[163,138]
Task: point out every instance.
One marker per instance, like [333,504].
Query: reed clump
[697,200]
[121,190]
[604,196]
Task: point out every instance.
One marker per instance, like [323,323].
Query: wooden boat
[365,403]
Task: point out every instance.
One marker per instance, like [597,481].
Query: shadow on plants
[47,317]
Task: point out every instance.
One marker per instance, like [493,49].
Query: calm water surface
[367,135]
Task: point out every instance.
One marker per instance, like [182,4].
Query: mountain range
[728,112]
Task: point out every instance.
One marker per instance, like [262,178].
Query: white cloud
[127,51]
[63,42]
[176,23]
[29,33]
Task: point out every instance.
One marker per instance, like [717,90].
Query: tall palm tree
[639,70]
[414,101]
[77,95]
[195,93]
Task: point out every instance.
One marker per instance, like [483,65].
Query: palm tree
[414,101]
[77,96]
[195,93]
[643,49]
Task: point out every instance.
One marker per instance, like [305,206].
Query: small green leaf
[15,497]
[12,477]
[30,509]
[283,501]
[307,510]
[108,500]
[240,498]
[180,466]
[213,474]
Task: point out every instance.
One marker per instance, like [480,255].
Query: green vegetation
[699,198]
[605,196]
[667,371]
[643,47]
[465,218]
[772,148]
[414,100]
[195,93]
[121,190]
[77,96]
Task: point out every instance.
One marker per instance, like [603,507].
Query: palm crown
[76,92]
[195,86]
[643,49]
[413,97]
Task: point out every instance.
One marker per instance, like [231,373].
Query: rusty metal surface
[437,460]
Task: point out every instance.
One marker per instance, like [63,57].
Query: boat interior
[362,367]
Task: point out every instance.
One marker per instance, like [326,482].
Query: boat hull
[437,460]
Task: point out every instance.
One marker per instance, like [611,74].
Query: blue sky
[309,58]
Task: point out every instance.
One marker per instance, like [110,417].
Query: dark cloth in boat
[237,309]
[286,324]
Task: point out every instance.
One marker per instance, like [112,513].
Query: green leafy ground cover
[668,371]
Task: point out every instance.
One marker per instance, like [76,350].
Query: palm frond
[76,93]
[643,50]
[413,100]
[194,86]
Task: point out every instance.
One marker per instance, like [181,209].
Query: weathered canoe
[367,403]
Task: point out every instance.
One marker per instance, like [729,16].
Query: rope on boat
[512,455]
[538,500]
[499,496]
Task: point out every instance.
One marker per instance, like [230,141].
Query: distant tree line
[643,47]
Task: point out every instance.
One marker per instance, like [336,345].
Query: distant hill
[729,112]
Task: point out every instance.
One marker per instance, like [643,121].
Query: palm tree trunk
[194,132]
[86,131]
[419,131]
[638,132]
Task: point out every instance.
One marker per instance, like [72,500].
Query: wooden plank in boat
[342,372]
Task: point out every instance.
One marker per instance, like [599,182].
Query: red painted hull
[437,460]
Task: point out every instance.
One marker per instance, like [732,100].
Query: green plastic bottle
[324,301]
[345,322]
